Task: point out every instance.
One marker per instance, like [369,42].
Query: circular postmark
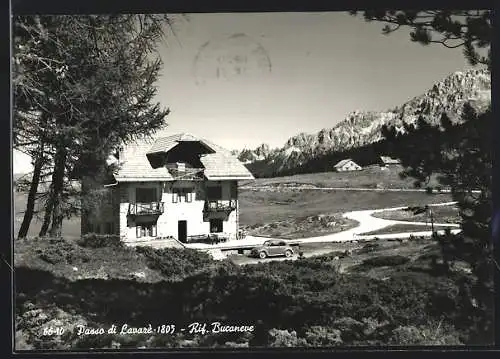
[229,57]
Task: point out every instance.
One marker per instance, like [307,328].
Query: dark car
[271,248]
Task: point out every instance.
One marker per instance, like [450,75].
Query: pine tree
[460,154]
[100,95]
[470,29]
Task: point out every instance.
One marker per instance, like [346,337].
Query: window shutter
[189,196]
[138,231]
[174,197]
[153,229]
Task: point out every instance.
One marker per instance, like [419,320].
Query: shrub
[93,240]
[424,335]
[22,341]
[284,338]
[326,258]
[323,336]
[31,321]
[385,261]
[59,250]
[305,295]
[175,262]
[369,247]
[349,328]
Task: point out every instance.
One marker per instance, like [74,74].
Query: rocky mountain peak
[363,127]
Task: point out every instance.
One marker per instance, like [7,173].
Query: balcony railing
[150,208]
[188,173]
[220,205]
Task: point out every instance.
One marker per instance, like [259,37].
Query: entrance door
[182,231]
[215,225]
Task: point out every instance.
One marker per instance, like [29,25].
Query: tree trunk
[57,189]
[30,206]
[85,212]
[47,215]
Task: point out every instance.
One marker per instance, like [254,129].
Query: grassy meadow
[440,214]
[368,177]
[302,227]
[260,207]
[405,228]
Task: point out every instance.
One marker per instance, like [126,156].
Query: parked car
[271,248]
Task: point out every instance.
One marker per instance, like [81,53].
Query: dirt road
[367,223]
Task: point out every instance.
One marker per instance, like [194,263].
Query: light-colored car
[271,248]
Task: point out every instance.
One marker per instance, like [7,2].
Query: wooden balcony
[144,209]
[189,173]
[216,206]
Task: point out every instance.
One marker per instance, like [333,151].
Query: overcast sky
[245,79]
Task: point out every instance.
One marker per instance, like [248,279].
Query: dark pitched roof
[219,165]
[165,144]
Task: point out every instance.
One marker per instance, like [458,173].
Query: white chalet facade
[347,165]
[178,186]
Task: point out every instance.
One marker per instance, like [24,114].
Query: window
[215,225]
[182,195]
[146,230]
[145,195]
[214,193]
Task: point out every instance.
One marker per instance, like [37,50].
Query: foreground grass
[65,258]
[418,251]
[307,302]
